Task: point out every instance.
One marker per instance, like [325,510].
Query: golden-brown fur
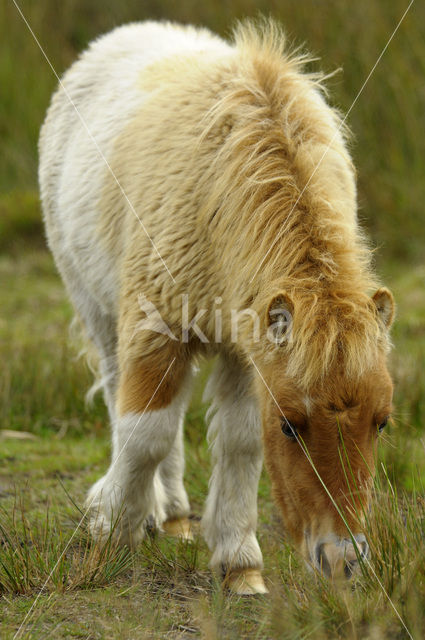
[339,432]
[231,169]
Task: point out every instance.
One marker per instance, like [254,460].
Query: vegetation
[73,588]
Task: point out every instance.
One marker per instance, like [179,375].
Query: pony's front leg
[132,493]
[230,520]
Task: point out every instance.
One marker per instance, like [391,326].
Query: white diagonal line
[91,502]
[92,138]
[335,134]
[313,466]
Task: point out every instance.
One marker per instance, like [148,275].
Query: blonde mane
[284,188]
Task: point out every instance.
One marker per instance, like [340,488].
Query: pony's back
[97,98]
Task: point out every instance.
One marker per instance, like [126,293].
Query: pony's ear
[279,318]
[385,306]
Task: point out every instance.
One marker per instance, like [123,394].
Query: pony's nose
[339,558]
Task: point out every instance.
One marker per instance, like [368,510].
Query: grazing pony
[199,199]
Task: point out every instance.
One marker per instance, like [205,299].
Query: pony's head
[325,395]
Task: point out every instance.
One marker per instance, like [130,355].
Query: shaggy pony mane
[284,202]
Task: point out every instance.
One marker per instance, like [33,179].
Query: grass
[164,589]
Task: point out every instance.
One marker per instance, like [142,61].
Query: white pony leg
[230,519]
[101,331]
[171,472]
[132,489]
[99,326]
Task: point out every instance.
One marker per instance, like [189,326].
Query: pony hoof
[179,528]
[245,582]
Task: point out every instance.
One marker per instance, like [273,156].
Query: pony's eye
[288,428]
[383,424]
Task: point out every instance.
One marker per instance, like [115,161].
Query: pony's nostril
[364,549]
[362,545]
[349,568]
[322,561]
[352,557]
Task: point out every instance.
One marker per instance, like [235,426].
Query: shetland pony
[178,168]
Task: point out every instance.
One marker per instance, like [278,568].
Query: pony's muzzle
[339,557]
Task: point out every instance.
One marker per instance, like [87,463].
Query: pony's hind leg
[99,327]
[230,519]
[134,491]
[102,333]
